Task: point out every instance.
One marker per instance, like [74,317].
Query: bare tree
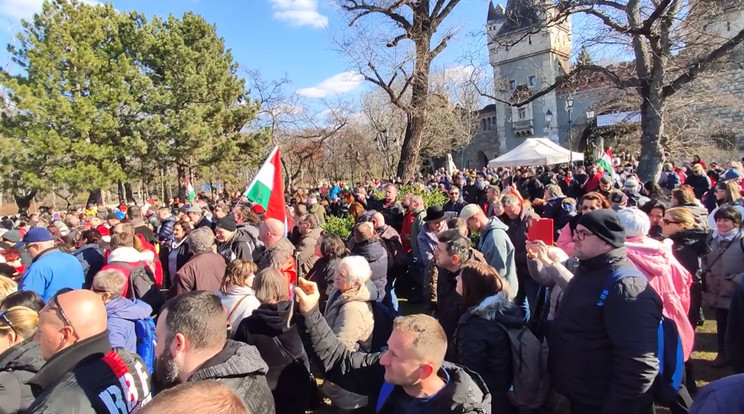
[672,43]
[408,29]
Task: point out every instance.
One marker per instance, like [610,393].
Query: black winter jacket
[288,375]
[242,245]
[165,232]
[484,346]
[377,257]
[689,247]
[18,364]
[606,356]
[449,302]
[322,273]
[360,372]
[240,367]
[91,259]
[518,235]
[83,379]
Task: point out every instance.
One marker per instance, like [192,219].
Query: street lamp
[569,108]
[548,120]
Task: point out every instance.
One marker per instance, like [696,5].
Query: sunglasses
[60,311]
[4,318]
[668,222]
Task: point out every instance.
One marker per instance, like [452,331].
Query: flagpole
[255,177]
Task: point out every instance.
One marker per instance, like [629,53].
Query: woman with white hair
[349,308]
[670,280]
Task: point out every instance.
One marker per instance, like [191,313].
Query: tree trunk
[416,115]
[128,192]
[120,190]
[24,201]
[95,197]
[182,173]
[652,126]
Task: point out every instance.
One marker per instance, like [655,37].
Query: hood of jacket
[131,310]
[696,238]
[91,246]
[236,359]
[470,393]
[130,255]
[649,255]
[275,315]
[365,293]
[283,246]
[387,232]
[26,356]
[371,249]
[494,224]
[498,308]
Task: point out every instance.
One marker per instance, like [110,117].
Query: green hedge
[341,227]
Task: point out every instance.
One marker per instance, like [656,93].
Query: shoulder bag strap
[236,307]
[721,255]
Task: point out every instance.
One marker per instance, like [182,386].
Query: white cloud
[297,12]
[336,84]
[25,9]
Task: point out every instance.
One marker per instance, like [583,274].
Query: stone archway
[482,159]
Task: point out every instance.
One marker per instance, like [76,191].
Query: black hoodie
[282,350]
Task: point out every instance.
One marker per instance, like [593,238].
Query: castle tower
[527,54]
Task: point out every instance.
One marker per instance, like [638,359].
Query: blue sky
[276,37]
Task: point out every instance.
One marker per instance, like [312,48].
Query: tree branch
[363,8]
[701,64]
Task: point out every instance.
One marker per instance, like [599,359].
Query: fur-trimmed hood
[497,308]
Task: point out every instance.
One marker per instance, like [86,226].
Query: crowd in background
[246,310]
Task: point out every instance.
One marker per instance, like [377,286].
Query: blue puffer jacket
[121,313]
[165,233]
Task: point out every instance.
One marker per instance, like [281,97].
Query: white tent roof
[535,151]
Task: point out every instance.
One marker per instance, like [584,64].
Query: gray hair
[112,281]
[457,244]
[357,268]
[509,199]
[201,240]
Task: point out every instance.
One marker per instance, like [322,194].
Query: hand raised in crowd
[307,295]
[538,250]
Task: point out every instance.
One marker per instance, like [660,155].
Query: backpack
[383,326]
[672,181]
[144,329]
[530,381]
[142,286]
[670,355]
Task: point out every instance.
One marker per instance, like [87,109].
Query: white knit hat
[635,221]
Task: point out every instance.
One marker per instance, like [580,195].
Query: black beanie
[227,223]
[606,225]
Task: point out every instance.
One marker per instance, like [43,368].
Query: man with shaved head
[83,374]
[278,251]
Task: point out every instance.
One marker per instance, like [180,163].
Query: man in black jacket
[455,203]
[603,358]
[410,377]
[193,346]
[82,373]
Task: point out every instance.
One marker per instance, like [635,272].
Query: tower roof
[520,14]
[495,13]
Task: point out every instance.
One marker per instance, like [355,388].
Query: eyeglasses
[580,235]
[58,308]
[4,318]
[668,222]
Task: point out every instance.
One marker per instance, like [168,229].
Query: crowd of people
[211,306]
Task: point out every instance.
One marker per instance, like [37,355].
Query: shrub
[341,227]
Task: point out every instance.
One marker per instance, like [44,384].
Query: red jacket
[131,257]
[405,233]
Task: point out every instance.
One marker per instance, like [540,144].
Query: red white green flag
[190,193]
[606,162]
[267,187]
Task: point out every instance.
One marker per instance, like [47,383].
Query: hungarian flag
[606,162]
[267,187]
[190,193]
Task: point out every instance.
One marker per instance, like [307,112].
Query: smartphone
[541,229]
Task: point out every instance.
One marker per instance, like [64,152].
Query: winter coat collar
[365,293]
[67,359]
[498,308]
[274,315]
[603,260]
[236,359]
[129,255]
[25,356]
[234,290]
[371,249]
[90,246]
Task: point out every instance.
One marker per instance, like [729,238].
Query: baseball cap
[469,211]
[13,236]
[35,235]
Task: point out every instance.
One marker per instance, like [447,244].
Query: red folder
[541,229]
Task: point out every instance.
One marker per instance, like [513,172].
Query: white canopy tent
[535,151]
